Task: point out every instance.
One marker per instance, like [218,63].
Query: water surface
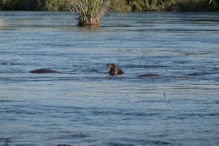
[81,105]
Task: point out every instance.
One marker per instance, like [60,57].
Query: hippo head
[111,66]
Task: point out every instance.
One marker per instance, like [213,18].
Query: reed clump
[89,11]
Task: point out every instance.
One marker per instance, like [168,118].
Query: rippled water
[81,105]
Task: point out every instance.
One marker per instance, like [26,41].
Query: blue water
[81,105]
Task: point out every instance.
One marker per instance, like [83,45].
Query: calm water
[81,105]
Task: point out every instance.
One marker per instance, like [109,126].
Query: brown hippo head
[114,70]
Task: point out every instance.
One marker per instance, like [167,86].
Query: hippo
[148,75]
[42,70]
[114,70]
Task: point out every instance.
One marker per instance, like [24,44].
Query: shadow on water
[5,141]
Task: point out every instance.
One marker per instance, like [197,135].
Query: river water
[81,105]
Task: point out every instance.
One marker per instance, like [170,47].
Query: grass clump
[89,11]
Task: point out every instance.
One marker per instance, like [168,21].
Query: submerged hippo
[114,70]
[148,75]
[43,71]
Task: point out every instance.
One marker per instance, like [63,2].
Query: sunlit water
[81,105]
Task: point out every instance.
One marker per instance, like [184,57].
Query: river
[81,105]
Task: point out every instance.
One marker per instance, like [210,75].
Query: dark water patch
[158,142]
[133,142]
[1,101]
[205,115]
[73,136]
[146,66]
[42,26]
[205,72]
[163,78]
[6,141]
[137,114]
[164,30]
[119,144]
[189,100]
[195,52]
[150,101]
[180,77]
[80,135]
[20,112]
[191,115]
[115,26]
[149,75]
[181,61]
[67,109]
[10,63]
[120,141]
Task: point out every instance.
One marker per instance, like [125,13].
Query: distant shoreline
[116,5]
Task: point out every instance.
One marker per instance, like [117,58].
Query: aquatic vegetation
[89,11]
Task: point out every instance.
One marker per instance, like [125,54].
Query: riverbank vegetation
[115,5]
[34,5]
